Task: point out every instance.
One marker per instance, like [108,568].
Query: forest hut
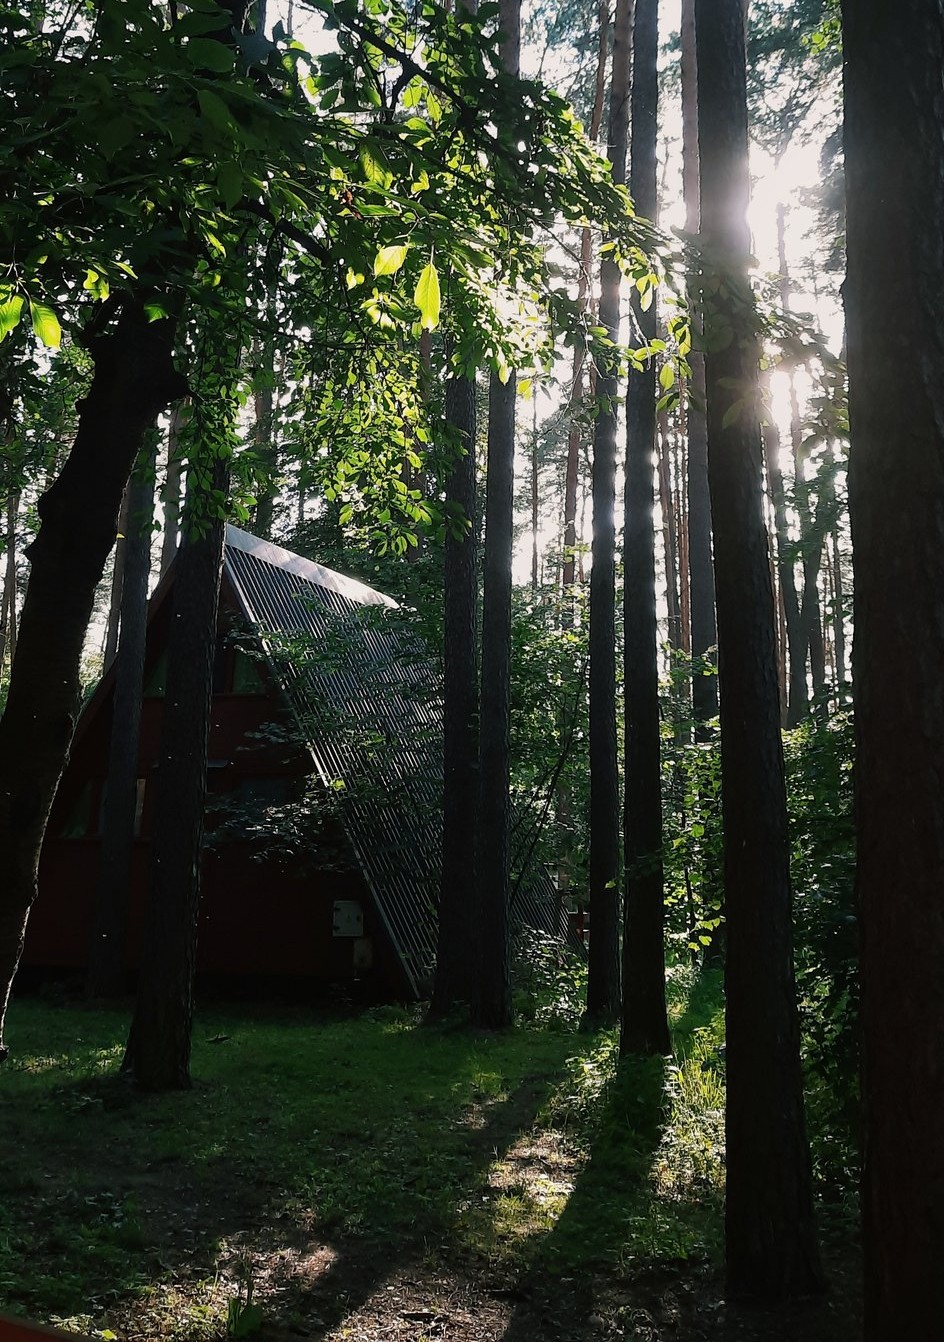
[324,789]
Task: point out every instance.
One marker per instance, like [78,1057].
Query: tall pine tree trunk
[894,158]
[769,1233]
[491,1002]
[644,1023]
[574,433]
[158,1053]
[603,985]
[108,953]
[701,572]
[457,891]
[134,379]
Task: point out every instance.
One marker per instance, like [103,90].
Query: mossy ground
[363,1176]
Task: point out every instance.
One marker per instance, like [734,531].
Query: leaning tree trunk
[491,1001]
[158,1053]
[603,984]
[701,573]
[769,1232]
[134,379]
[645,1026]
[454,966]
[108,953]
[894,149]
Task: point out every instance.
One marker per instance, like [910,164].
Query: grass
[373,1138]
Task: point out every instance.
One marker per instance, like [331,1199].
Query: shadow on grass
[313,1155]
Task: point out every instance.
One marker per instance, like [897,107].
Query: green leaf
[46,324]
[215,110]
[230,180]
[96,284]
[389,259]
[427,297]
[10,312]
[207,54]
[666,376]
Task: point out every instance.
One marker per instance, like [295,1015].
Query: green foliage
[549,981]
[819,759]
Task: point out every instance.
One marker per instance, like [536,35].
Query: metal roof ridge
[275,555]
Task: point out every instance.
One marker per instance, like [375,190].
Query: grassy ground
[361,1177]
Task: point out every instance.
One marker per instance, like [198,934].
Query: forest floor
[367,1178]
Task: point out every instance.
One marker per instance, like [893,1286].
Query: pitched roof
[367,702]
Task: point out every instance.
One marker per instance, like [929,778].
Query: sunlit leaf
[10,312]
[427,297]
[389,259]
[46,324]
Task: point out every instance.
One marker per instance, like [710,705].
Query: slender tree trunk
[603,987]
[701,572]
[113,627]
[798,699]
[769,1233]
[669,537]
[263,443]
[134,379]
[535,484]
[170,495]
[645,1026]
[108,953]
[8,610]
[894,148]
[491,1004]
[454,964]
[680,470]
[574,434]
[158,1053]
[839,628]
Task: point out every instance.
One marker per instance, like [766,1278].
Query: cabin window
[247,677]
[77,822]
[155,682]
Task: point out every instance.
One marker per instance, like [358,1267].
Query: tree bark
[158,1052]
[108,953]
[134,379]
[769,1234]
[603,985]
[669,537]
[894,156]
[491,1002]
[798,698]
[454,964]
[644,1023]
[491,1005]
[574,434]
[700,569]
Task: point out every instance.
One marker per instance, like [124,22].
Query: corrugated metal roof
[367,702]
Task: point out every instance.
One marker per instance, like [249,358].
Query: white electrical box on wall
[348,918]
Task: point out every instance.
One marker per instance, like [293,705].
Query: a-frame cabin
[324,781]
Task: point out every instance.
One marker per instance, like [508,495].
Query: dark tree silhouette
[894,147]
[645,1027]
[769,1233]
